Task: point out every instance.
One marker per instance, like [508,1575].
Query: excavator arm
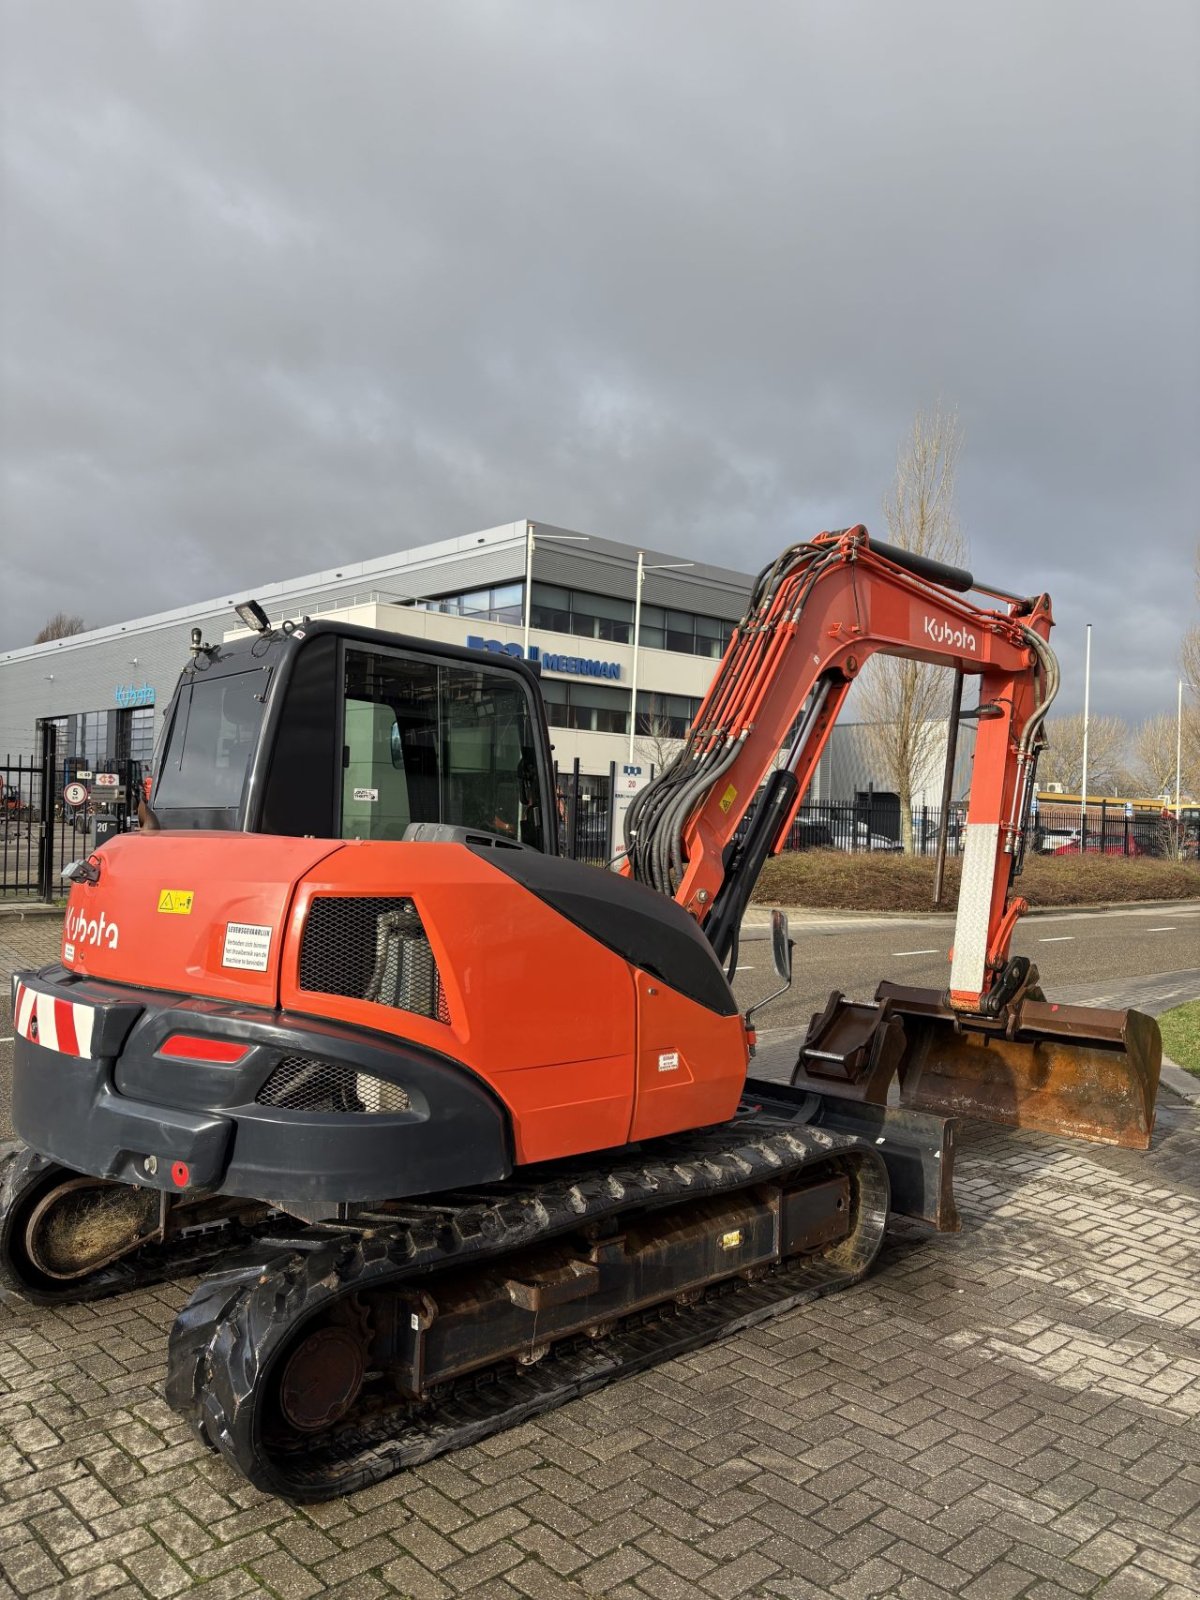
[702,831]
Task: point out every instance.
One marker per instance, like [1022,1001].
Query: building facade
[105,690]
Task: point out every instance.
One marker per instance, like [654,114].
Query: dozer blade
[1074,1070]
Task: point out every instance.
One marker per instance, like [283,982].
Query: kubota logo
[82,929]
[956,638]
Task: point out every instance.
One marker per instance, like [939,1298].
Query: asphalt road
[1073,950]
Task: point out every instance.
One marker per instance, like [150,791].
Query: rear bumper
[96,1094]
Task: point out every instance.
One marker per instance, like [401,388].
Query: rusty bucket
[1074,1070]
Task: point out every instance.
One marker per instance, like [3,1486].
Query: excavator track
[312,1364]
[200,1236]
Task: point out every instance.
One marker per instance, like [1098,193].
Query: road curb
[37,911]
[1184,1084]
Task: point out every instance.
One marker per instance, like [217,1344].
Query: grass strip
[1181,1035]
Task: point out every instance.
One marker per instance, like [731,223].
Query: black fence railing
[872,823]
[51,808]
[22,824]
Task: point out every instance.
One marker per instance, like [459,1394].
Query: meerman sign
[576,666]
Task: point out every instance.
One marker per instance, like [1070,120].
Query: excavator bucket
[1075,1070]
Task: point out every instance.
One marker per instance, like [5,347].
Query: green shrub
[885,881]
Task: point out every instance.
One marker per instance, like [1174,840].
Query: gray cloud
[295,282]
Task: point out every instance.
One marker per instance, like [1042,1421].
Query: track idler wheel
[82,1224]
[61,1234]
[321,1377]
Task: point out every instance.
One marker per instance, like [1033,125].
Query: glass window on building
[504,602]
[93,738]
[600,616]
[684,632]
[586,616]
[667,716]
[653,632]
[555,609]
[551,608]
[590,707]
[508,602]
[712,636]
[141,735]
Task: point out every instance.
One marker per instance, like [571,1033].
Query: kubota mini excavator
[480,1115]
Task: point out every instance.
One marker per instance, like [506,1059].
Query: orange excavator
[464,1128]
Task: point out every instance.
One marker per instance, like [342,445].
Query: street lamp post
[1184,683]
[1179,756]
[1087,687]
[642,570]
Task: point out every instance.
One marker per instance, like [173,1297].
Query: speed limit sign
[75,794]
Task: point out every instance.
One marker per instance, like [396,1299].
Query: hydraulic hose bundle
[655,821]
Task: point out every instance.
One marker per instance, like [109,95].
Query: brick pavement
[1013,1411]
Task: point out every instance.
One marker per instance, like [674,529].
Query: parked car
[1107,847]
[864,838]
[806,835]
[1051,840]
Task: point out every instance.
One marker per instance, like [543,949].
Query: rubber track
[20,1168]
[226,1340]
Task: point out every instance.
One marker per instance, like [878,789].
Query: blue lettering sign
[575,666]
[130,694]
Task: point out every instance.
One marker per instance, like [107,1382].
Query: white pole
[637,629]
[528,583]
[1178,757]
[1087,688]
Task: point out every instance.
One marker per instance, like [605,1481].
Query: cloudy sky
[285,283]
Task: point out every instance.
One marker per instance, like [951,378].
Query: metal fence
[584,814]
[41,832]
[872,823]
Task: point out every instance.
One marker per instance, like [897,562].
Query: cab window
[436,742]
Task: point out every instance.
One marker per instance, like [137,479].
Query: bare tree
[902,701]
[1062,759]
[1189,652]
[1154,747]
[657,746]
[1189,732]
[60,626]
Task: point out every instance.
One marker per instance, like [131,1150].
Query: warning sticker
[668,1061]
[247,945]
[177,901]
[366,794]
[727,799]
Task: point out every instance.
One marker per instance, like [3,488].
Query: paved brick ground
[1014,1411]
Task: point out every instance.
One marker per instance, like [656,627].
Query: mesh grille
[304,1083]
[371,949]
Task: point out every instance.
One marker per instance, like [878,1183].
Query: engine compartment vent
[305,1083]
[372,949]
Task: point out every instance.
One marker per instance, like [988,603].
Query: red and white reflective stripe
[62,1025]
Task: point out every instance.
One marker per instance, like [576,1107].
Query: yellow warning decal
[731,1240]
[176,901]
[727,799]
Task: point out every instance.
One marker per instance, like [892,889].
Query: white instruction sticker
[246,945]
[668,1061]
[366,794]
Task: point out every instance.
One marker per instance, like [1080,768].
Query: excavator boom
[703,830]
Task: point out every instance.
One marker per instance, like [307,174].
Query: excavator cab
[330,731]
